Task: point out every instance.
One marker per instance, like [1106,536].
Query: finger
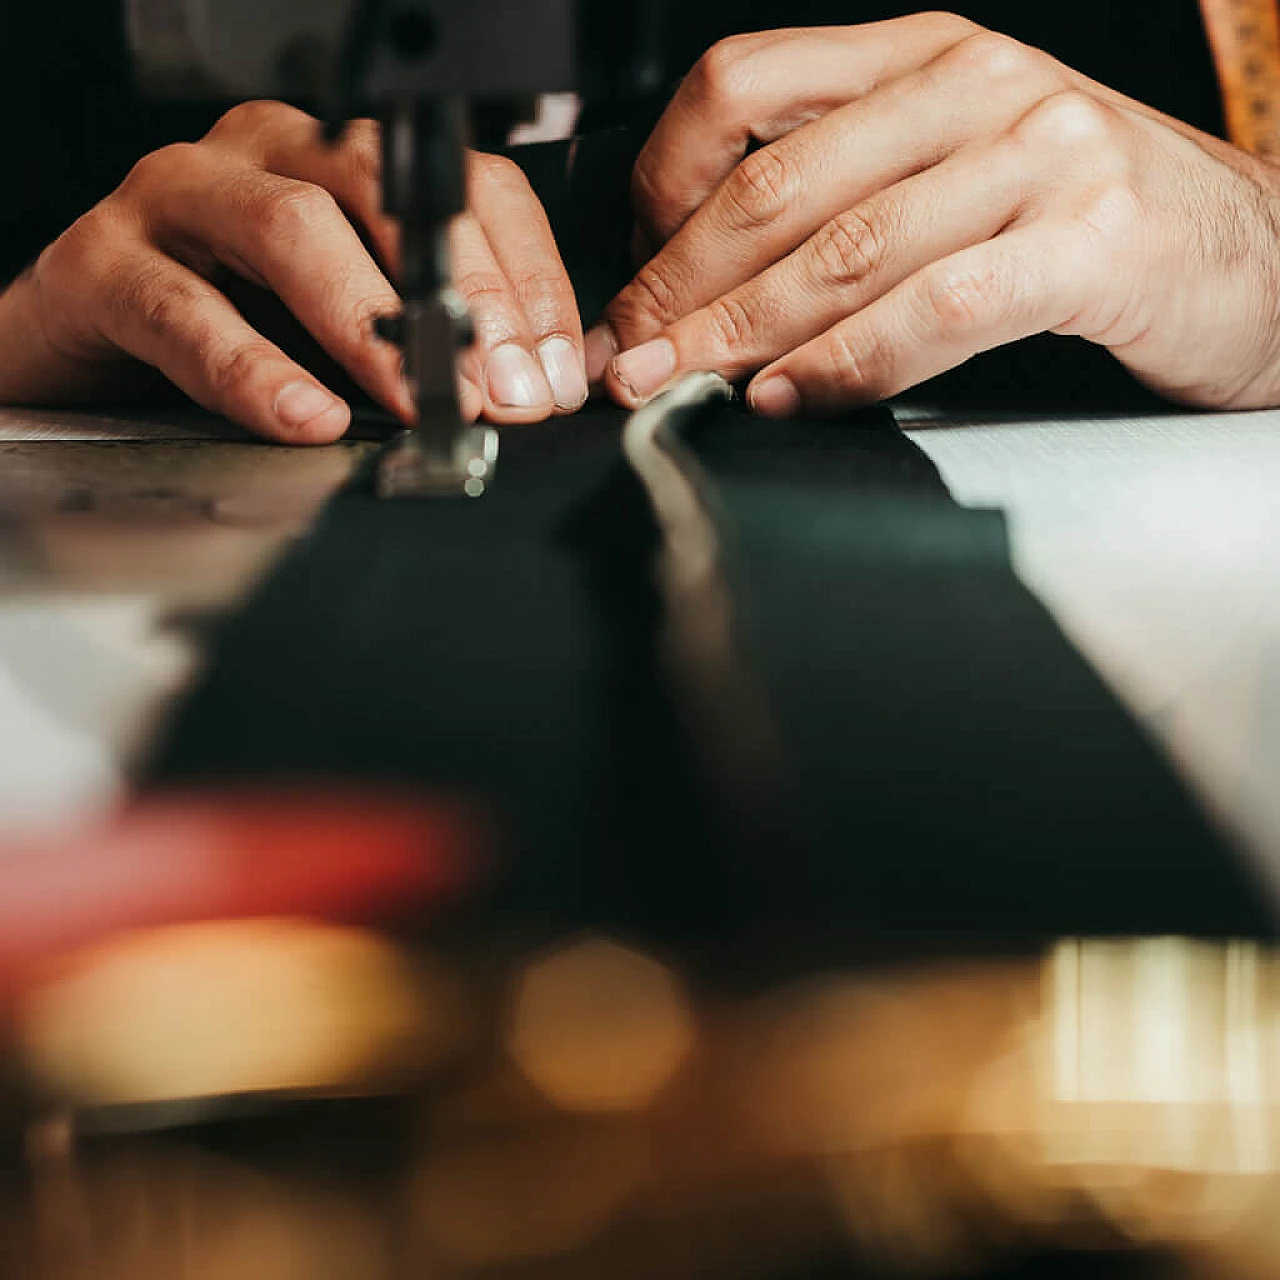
[293,237]
[525,249]
[501,200]
[167,316]
[350,169]
[855,258]
[782,194]
[284,140]
[759,87]
[501,362]
[1033,278]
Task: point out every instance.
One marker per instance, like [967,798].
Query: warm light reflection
[929,1120]
[598,1027]
[234,1007]
[1160,1084]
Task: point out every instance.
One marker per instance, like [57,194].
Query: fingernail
[601,345]
[775,397]
[302,402]
[563,367]
[644,369]
[514,378]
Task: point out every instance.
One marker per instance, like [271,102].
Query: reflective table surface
[120,539]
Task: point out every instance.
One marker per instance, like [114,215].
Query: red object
[346,857]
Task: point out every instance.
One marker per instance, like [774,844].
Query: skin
[137,284]
[841,214]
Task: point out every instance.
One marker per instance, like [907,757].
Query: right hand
[135,282]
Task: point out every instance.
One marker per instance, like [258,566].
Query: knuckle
[288,211]
[537,288]
[849,248]
[651,296]
[361,316]
[480,288]
[248,118]
[1069,118]
[961,300]
[1113,211]
[724,74]
[995,57]
[158,168]
[349,304]
[858,365]
[87,244]
[731,326]
[230,372]
[946,25]
[145,297]
[759,190]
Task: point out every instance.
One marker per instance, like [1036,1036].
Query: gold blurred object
[1162,1084]
[912,1042]
[228,1008]
[1114,1095]
[1244,36]
[598,1027]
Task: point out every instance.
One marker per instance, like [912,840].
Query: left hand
[150,277]
[926,190]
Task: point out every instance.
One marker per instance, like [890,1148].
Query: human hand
[137,281]
[926,190]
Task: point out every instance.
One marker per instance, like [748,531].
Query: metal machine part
[302,48]
[424,188]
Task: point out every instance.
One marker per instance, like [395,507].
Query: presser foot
[408,469]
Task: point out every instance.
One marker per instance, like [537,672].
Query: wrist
[35,369]
[29,366]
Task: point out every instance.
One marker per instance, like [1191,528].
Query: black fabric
[961,773]
[964,768]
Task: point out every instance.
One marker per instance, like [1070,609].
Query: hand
[137,279]
[927,190]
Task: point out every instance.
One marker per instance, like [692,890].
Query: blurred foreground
[263,1071]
